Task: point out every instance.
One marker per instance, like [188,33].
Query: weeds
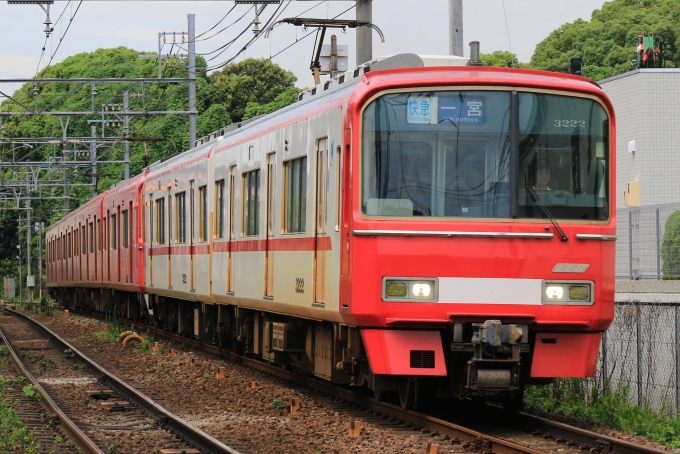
[31,392]
[185,346]
[79,366]
[159,370]
[70,354]
[573,397]
[144,346]
[112,449]
[277,404]
[206,377]
[14,436]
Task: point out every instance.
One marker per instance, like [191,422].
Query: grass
[277,404]
[613,408]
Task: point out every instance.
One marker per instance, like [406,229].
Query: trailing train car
[416,226]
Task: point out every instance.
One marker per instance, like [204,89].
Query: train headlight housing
[568,293]
[410,290]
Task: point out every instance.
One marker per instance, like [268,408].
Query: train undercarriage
[489,360]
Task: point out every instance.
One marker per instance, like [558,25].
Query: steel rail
[599,443]
[72,430]
[197,437]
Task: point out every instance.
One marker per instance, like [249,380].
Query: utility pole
[126,132]
[64,135]
[456,28]
[192,79]
[364,34]
[93,158]
[29,273]
[334,56]
[40,228]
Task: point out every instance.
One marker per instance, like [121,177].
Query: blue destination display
[454,110]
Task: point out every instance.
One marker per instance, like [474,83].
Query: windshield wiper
[543,208]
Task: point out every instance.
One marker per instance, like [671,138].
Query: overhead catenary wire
[507,29]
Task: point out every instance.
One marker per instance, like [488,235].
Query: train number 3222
[570,123]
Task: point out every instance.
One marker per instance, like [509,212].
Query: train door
[151,239]
[132,244]
[192,214]
[320,220]
[269,253]
[231,235]
[170,219]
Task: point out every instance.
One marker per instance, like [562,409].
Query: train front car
[480,253]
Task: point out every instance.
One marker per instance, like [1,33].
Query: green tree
[670,248]
[501,58]
[607,42]
[252,80]
[253,109]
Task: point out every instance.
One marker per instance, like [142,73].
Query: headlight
[410,289]
[573,293]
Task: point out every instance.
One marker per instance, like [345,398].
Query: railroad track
[443,432]
[122,411]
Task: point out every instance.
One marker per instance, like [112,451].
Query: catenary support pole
[28,248]
[334,56]
[364,34]
[93,158]
[40,231]
[192,77]
[126,132]
[456,27]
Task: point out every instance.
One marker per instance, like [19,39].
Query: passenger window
[91,237]
[219,209]
[114,232]
[181,218]
[296,195]
[124,230]
[83,241]
[251,202]
[160,221]
[203,213]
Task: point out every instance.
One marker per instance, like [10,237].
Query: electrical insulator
[256,24]
[94,90]
[35,90]
[174,37]
[48,23]
[163,37]
[182,36]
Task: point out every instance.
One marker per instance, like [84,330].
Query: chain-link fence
[640,354]
[648,245]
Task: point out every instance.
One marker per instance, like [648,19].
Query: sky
[416,26]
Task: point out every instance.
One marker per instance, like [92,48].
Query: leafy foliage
[502,59]
[260,85]
[607,42]
[670,248]
[251,81]
[573,397]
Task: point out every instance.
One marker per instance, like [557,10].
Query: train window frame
[250,225]
[160,220]
[555,91]
[69,245]
[113,231]
[203,214]
[125,229]
[289,201]
[83,240]
[90,231]
[181,217]
[219,209]
[338,187]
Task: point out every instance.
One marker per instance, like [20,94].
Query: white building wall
[647,107]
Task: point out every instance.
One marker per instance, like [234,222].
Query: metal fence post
[630,243]
[677,358]
[639,353]
[658,246]
[604,363]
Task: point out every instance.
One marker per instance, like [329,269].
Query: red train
[415,225]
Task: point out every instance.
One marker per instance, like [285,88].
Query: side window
[124,240]
[251,203]
[338,187]
[83,241]
[90,232]
[296,195]
[219,209]
[68,246]
[160,221]
[203,213]
[181,218]
[113,231]
[98,226]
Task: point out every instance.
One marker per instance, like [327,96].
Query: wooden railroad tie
[179,451]
[432,448]
[253,384]
[354,429]
[294,405]
[116,405]
[102,394]
[220,373]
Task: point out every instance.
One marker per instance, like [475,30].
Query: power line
[218,23]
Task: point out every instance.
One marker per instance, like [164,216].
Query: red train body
[396,229]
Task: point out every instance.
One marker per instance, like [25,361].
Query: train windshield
[454,154]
